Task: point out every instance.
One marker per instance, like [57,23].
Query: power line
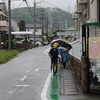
[20,4]
[29,9]
[37,6]
[33,11]
[54,6]
[34,17]
[50,4]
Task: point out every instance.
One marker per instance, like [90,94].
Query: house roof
[92,24]
[69,29]
[1,13]
[32,25]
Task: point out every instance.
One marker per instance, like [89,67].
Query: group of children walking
[58,52]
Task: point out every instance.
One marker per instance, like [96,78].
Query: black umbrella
[62,42]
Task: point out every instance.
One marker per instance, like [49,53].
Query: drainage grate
[67,83]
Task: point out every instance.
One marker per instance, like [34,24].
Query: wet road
[23,77]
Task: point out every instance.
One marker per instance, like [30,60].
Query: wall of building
[14,25]
[80,63]
[93,10]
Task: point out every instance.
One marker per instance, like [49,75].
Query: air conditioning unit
[82,2]
[74,16]
[77,11]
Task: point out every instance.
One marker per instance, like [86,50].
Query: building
[38,33]
[86,11]
[14,24]
[70,33]
[3,23]
[87,69]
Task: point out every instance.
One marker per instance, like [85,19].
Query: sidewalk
[70,89]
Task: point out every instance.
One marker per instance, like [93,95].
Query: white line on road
[28,71]
[16,87]
[47,51]
[37,69]
[11,92]
[23,78]
[45,88]
[22,85]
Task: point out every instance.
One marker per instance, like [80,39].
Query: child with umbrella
[53,53]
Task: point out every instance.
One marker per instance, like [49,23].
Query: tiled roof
[32,25]
[1,13]
[71,28]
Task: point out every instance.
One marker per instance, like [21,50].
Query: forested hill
[54,15]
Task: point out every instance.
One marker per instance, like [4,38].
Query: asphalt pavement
[23,77]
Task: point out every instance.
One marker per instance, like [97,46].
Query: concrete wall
[79,64]
[81,71]
[76,65]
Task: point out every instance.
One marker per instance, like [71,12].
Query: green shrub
[7,55]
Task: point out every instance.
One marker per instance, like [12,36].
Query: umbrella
[62,42]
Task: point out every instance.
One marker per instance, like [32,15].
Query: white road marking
[37,69]
[23,78]
[11,92]
[22,85]
[28,71]
[45,88]
[47,51]
[16,87]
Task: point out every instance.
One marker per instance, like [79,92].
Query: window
[37,30]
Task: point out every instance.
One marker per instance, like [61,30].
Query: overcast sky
[67,5]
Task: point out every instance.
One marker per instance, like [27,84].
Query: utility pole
[34,20]
[47,28]
[9,31]
[42,24]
